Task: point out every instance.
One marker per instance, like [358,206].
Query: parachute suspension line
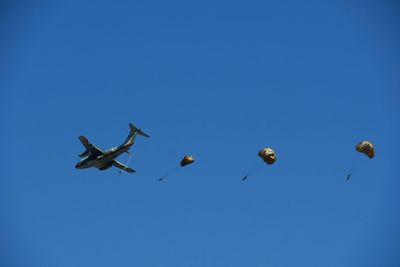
[355,158]
[253,170]
[129,158]
[170,172]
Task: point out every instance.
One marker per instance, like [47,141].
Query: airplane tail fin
[134,131]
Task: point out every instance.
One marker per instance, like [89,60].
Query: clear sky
[219,80]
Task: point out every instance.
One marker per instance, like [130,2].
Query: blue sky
[219,80]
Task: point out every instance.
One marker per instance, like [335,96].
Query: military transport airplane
[95,157]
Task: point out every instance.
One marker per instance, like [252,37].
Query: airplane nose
[78,165]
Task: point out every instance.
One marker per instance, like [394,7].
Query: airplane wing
[90,147]
[122,166]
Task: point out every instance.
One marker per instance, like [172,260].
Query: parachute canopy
[268,155]
[188,159]
[366,148]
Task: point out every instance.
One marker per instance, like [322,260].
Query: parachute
[365,147]
[187,159]
[268,155]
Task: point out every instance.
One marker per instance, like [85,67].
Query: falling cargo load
[187,159]
[365,147]
[267,155]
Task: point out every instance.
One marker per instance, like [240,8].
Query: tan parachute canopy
[366,148]
[188,159]
[268,155]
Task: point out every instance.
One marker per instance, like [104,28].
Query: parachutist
[366,148]
[267,155]
[187,159]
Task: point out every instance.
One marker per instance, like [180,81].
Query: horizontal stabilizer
[134,129]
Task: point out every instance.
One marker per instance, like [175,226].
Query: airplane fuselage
[104,160]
